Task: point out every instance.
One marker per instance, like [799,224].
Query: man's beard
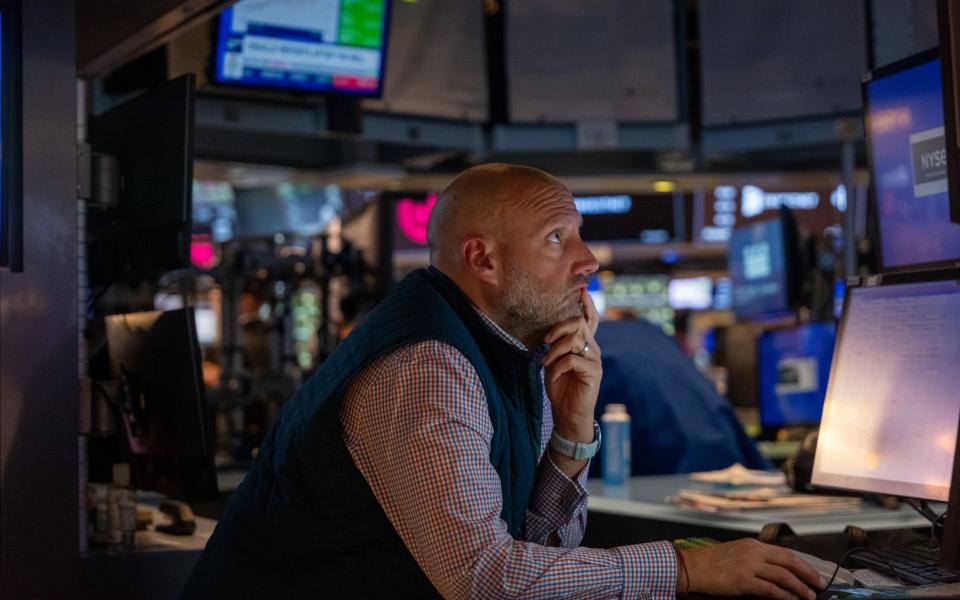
[531,308]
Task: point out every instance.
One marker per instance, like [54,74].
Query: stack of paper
[737,474]
[764,498]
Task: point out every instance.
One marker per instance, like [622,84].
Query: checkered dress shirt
[417,426]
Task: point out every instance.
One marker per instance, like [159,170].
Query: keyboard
[916,563]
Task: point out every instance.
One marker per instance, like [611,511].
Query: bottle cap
[617,409]
[121,474]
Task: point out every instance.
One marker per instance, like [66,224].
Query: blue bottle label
[616,452]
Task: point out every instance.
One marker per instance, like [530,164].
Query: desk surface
[156,570]
[644,498]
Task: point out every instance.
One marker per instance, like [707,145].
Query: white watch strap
[576,450]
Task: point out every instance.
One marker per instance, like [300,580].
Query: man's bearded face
[532,306]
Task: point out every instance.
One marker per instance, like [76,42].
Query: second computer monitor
[903,109]
[156,358]
[762,267]
[891,414]
[794,368]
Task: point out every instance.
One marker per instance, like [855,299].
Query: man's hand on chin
[572,374]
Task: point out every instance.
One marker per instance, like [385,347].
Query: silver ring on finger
[586,348]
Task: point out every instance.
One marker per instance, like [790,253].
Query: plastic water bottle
[616,444]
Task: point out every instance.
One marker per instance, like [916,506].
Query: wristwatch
[576,450]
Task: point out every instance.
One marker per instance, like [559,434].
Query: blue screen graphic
[794,368]
[758,269]
[905,128]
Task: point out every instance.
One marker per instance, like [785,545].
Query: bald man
[441,450]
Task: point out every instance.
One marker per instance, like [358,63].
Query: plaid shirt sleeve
[417,427]
[557,515]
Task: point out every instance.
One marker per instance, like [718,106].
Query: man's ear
[481,260]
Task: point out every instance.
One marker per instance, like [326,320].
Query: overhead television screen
[905,133]
[308,45]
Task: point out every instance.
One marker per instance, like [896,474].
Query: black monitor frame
[156,358]
[948,19]
[11,140]
[149,231]
[879,73]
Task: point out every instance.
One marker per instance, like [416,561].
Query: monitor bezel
[872,281]
[883,72]
[214,81]
[948,19]
[11,166]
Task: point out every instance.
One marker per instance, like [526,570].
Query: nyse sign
[929,154]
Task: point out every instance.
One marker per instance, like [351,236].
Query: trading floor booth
[868,396]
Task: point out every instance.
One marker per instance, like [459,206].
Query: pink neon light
[412,218]
[202,253]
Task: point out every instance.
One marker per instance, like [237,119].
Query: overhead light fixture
[664,186]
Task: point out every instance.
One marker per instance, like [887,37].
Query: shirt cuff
[649,571]
[556,498]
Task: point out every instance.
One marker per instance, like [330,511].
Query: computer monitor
[763,268]
[641,296]
[794,367]
[156,358]
[690,293]
[904,120]
[148,232]
[299,210]
[640,218]
[891,413]
[309,45]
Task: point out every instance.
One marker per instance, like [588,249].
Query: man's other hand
[749,567]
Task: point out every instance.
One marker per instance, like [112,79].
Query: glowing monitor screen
[311,45]
[694,293]
[904,116]
[890,418]
[758,268]
[206,324]
[794,367]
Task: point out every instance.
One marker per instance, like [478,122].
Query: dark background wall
[38,326]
